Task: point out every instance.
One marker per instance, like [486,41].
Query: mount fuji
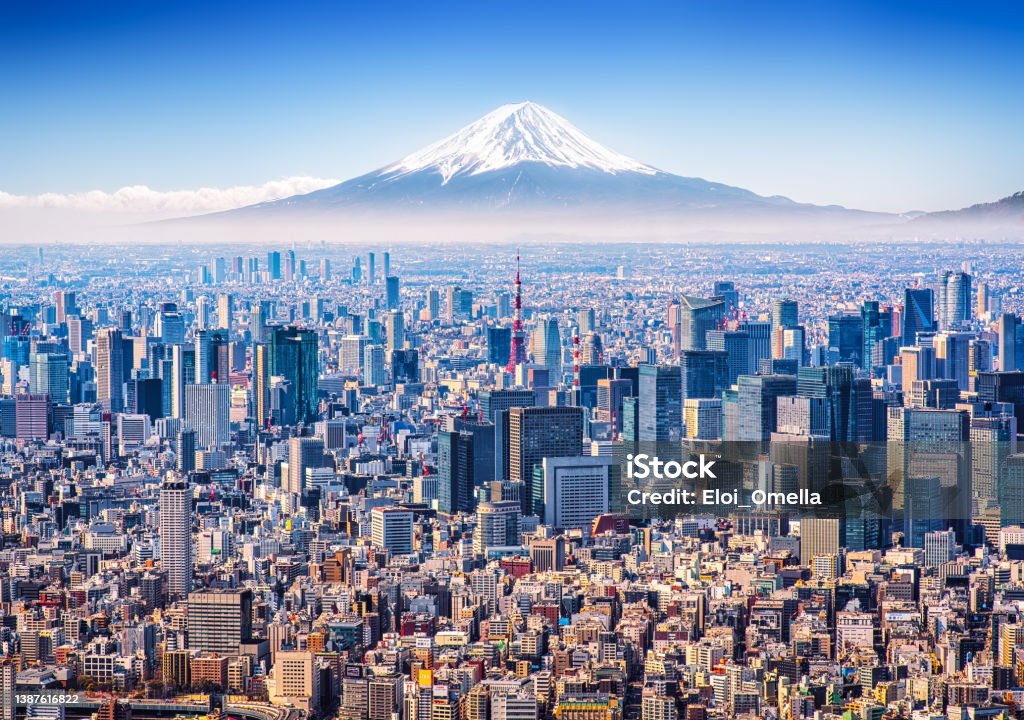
[525,159]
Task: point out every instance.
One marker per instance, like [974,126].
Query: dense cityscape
[390,483]
[383,484]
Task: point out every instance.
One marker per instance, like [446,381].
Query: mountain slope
[524,157]
[1010,208]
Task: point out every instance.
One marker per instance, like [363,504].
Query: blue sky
[882,105]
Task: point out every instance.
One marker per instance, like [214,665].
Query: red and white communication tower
[517,355]
[576,360]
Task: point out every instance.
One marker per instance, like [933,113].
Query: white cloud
[142,200]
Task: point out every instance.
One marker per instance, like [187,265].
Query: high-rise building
[549,553]
[294,355]
[926,444]
[391,528]
[690,318]
[433,304]
[391,297]
[219,620]
[48,375]
[821,536]
[845,339]
[757,399]
[465,461]
[375,368]
[213,356]
[225,311]
[79,334]
[32,416]
[64,304]
[494,406]
[499,344]
[295,680]
[1011,343]
[576,490]
[534,434]
[661,404]
[918,313]
[877,324]
[185,457]
[726,290]
[208,412]
[394,328]
[8,690]
[183,373]
[303,453]
[702,418]
[405,366]
[954,300]
[353,352]
[547,347]
[176,536]
[110,369]
[497,525]
[917,363]
[952,357]
[736,346]
[705,373]
[939,547]
[784,315]
[261,383]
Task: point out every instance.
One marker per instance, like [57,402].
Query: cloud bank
[140,200]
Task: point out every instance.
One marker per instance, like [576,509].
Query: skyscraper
[394,328]
[576,490]
[294,356]
[212,353]
[219,620]
[499,344]
[736,346]
[391,529]
[225,311]
[785,315]
[691,318]
[918,313]
[176,536]
[534,434]
[661,404]
[1011,342]
[925,444]
[303,453]
[185,457]
[261,383]
[495,406]
[110,369]
[455,472]
[845,338]
[547,347]
[954,300]
[375,366]
[207,411]
[758,404]
[705,373]
[391,296]
[877,326]
[48,375]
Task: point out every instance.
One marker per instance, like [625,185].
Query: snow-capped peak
[513,134]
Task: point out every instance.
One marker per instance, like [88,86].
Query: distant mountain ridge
[524,157]
[1009,208]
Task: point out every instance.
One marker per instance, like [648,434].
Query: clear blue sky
[884,105]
